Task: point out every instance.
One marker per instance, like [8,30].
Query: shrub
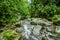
[45,9]
[8,34]
[11,9]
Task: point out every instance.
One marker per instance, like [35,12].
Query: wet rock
[35,38]
[58,29]
[51,38]
[1,37]
[19,29]
[22,38]
[23,22]
[44,38]
[36,30]
[40,21]
[18,24]
[41,29]
[49,28]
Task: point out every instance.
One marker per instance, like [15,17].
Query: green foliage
[56,19]
[45,9]
[8,11]
[24,6]
[11,9]
[8,34]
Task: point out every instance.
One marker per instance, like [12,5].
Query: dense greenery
[8,34]
[8,11]
[45,9]
[12,10]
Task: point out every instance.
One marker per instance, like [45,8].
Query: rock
[44,38]
[18,24]
[36,30]
[49,28]
[58,29]
[40,21]
[23,22]
[19,29]
[35,38]
[51,38]
[1,37]
[41,29]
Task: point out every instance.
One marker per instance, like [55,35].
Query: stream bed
[37,29]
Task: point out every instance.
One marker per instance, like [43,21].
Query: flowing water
[27,31]
[39,32]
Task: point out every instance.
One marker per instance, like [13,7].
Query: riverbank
[32,29]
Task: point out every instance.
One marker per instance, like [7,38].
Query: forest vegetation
[13,11]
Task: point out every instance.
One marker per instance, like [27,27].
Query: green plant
[8,11]
[11,9]
[56,19]
[47,9]
[8,34]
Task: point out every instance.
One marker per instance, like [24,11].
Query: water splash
[26,31]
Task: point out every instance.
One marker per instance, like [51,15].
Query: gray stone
[1,37]
[19,29]
[58,29]
[40,21]
[49,28]
[36,30]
